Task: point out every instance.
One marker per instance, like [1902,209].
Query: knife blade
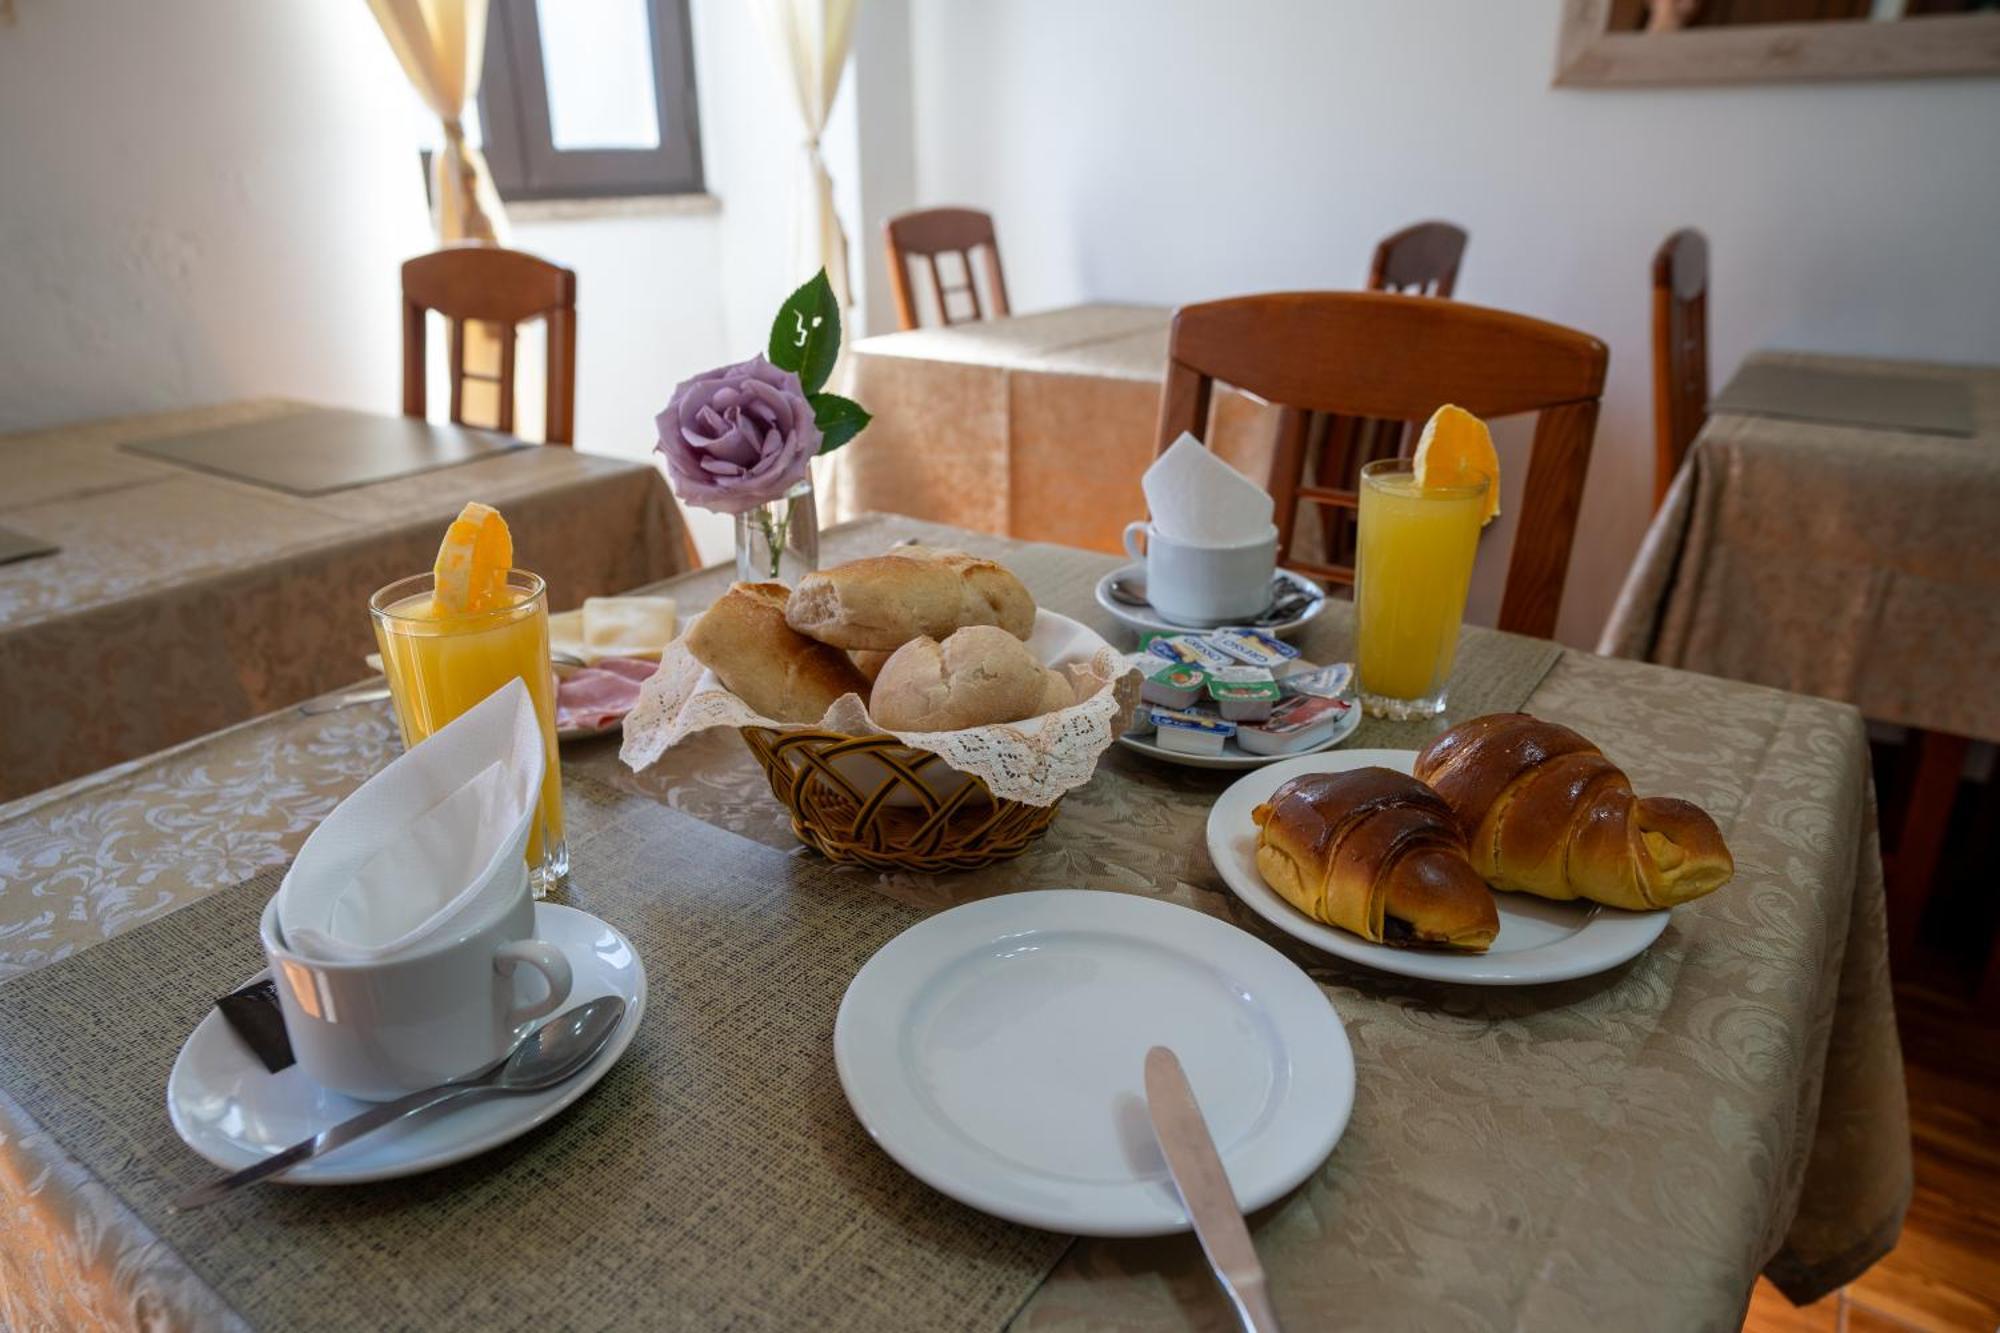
[1205,1190]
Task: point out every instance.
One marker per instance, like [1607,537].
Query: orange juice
[440,664]
[1413,566]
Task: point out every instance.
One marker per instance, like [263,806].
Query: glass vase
[779,539]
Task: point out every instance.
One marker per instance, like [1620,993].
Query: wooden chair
[1398,358]
[931,232]
[484,284]
[1420,260]
[1680,353]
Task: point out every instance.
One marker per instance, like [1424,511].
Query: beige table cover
[1850,562]
[182,601]
[1625,1151]
[1035,426]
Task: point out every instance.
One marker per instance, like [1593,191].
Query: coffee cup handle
[1133,531]
[546,959]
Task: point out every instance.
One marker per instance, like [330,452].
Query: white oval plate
[1146,620]
[997,1052]
[1232,757]
[1539,940]
[226,1106]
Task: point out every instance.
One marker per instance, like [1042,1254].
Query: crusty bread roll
[1057,693]
[1546,813]
[883,602]
[779,672]
[869,661]
[1376,852]
[978,676]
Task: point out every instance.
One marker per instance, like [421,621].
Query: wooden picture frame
[1590,56]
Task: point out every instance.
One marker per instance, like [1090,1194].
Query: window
[585,98]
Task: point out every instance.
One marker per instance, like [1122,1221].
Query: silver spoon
[553,1052]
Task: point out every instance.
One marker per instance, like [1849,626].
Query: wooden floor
[1945,1272]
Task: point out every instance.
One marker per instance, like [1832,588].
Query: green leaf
[805,337]
[839,419]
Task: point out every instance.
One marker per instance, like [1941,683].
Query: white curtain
[442,47]
[809,39]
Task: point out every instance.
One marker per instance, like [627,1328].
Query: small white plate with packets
[1237,698]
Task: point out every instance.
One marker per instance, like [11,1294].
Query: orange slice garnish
[1456,449]
[472,562]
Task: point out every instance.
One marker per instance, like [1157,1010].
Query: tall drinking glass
[439,665]
[1412,568]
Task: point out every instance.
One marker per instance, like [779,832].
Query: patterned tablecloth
[181,601]
[1624,1151]
[1035,426]
[1851,562]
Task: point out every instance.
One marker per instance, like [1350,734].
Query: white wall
[1178,150]
[199,201]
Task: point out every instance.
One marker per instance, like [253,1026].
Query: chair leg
[1927,802]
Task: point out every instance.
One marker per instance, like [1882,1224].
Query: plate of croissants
[1507,852]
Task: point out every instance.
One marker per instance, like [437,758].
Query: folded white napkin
[425,843]
[1195,497]
[614,627]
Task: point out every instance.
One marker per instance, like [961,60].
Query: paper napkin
[1194,497]
[614,627]
[424,844]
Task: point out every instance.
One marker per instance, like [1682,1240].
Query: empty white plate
[226,1106]
[997,1051]
[1539,940]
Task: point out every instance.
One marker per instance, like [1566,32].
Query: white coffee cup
[1204,586]
[380,1029]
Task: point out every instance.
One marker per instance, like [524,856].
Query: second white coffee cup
[1204,586]
[382,1028]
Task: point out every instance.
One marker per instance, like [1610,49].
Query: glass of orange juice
[440,664]
[1412,568]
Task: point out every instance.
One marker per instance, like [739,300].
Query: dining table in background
[181,601]
[1626,1150]
[1032,426]
[1853,562]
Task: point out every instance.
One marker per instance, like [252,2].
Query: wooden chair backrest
[484,284]
[1680,352]
[1398,358]
[931,232]
[1421,260]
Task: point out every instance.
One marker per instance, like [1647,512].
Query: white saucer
[1232,756]
[1539,940]
[1147,621]
[226,1106]
[997,1052]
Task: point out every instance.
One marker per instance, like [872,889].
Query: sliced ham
[592,697]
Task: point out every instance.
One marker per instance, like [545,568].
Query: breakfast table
[1626,1150]
[179,601]
[1035,426]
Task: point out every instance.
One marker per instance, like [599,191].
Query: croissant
[1378,853]
[1546,813]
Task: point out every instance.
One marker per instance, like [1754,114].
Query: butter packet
[1244,701]
[1191,649]
[1327,682]
[1239,675]
[1254,647]
[1191,733]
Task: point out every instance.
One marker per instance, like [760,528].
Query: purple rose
[738,436]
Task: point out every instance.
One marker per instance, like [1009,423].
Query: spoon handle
[323,1142]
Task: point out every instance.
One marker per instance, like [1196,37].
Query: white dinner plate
[1539,940]
[1146,620]
[226,1106]
[997,1051]
[1233,756]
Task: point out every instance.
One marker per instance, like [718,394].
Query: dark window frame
[514,115]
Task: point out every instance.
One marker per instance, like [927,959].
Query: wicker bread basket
[874,801]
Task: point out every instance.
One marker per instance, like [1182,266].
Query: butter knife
[1205,1190]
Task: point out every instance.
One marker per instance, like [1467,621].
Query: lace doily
[1035,762]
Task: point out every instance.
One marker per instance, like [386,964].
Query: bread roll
[1057,693]
[1375,852]
[978,676]
[881,603]
[1546,813]
[779,672]
[869,661]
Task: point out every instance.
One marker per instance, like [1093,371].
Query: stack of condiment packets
[1203,690]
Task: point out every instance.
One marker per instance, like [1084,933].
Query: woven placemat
[715,1179]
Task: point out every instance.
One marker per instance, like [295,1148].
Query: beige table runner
[1854,563]
[715,1179]
[1625,1151]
